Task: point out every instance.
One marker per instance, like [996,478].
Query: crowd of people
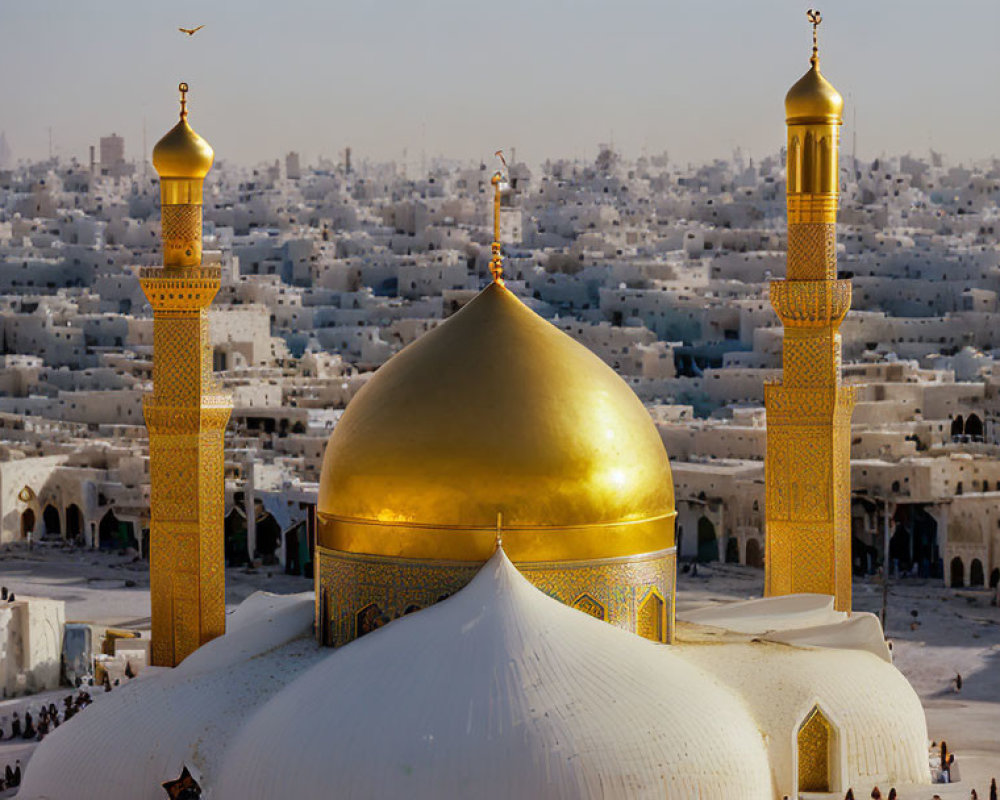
[877,794]
[35,727]
[48,717]
[947,762]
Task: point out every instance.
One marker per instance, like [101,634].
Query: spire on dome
[183,89]
[498,180]
[813,100]
[815,17]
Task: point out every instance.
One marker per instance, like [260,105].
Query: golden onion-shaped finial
[182,153]
[813,100]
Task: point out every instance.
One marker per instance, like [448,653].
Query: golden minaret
[808,467]
[186,414]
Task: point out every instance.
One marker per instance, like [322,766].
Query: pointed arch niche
[817,753]
[588,605]
[650,621]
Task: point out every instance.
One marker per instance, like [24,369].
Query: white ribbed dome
[882,731]
[500,692]
[497,692]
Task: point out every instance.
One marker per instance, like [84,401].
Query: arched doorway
[974,427]
[27,522]
[976,575]
[369,618]
[113,534]
[708,547]
[50,518]
[732,550]
[815,753]
[995,578]
[901,546]
[268,538]
[74,522]
[588,605]
[650,623]
[957,426]
[296,549]
[925,554]
[235,532]
[754,556]
[957,573]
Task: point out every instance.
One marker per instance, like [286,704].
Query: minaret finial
[496,261]
[815,18]
[183,89]
[499,539]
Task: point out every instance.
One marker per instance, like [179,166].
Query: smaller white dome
[499,692]
[880,728]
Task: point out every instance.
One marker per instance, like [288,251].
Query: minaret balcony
[180,288]
[808,304]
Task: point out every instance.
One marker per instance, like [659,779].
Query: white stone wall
[31,631]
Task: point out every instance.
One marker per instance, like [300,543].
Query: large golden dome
[496,412]
[813,100]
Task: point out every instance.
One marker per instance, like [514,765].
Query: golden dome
[813,100]
[496,412]
[182,153]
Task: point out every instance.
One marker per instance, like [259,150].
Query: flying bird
[191,31]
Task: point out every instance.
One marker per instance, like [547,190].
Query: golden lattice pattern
[814,753]
[178,360]
[182,228]
[800,475]
[812,251]
[811,359]
[797,405]
[347,583]
[807,462]
[186,416]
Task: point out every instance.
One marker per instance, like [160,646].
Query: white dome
[499,692]
[880,728]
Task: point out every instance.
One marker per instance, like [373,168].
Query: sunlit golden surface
[496,411]
[813,100]
[186,415]
[807,467]
[182,153]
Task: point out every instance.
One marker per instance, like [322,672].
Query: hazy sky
[464,77]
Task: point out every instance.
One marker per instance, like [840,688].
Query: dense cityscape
[655,454]
[660,268]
